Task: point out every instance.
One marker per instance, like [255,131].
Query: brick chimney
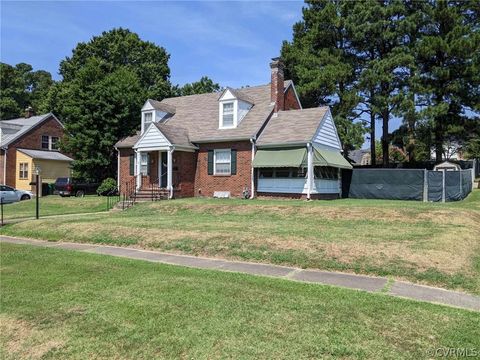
[29,112]
[276,84]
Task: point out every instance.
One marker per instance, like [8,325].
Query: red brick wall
[30,140]
[184,173]
[124,176]
[205,184]
[291,100]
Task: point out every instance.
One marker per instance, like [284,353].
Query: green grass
[55,205]
[436,244]
[62,304]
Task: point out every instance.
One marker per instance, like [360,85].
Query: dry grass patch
[21,340]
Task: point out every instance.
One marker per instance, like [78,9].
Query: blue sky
[232,42]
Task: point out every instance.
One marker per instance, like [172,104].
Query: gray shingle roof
[239,95]
[357,155]
[14,128]
[128,141]
[175,134]
[45,155]
[162,106]
[198,114]
[292,126]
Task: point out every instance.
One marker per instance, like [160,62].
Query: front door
[163,167]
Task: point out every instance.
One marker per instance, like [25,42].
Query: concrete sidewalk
[351,281]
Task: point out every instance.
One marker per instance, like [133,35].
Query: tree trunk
[385,154]
[438,140]
[373,155]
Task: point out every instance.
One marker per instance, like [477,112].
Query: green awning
[297,157]
[322,157]
[268,158]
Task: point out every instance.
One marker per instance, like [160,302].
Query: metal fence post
[460,183]
[443,185]
[425,185]
[1,205]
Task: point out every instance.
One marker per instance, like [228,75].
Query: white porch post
[252,172]
[138,168]
[169,172]
[309,170]
[159,168]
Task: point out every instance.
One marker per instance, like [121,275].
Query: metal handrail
[113,198]
[130,194]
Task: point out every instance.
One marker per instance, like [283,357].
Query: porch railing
[113,198]
[129,193]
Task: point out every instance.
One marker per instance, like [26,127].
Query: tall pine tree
[321,64]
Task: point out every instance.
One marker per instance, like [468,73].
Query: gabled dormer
[155,111]
[232,108]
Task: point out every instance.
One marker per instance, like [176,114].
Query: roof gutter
[283,145]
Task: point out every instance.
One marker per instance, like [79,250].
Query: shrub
[108,185]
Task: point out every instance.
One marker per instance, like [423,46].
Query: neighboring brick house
[30,142]
[239,142]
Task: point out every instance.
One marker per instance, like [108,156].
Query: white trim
[138,168]
[152,148]
[215,161]
[252,171]
[324,118]
[152,113]
[295,92]
[310,175]
[169,172]
[234,113]
[118,169]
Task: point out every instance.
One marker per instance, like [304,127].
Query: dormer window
[148,118]
[227,116]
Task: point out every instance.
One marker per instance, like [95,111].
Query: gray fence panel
[434,185]
[387,184]
[466,183]
[452,186]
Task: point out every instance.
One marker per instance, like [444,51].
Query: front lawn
[55,205]
[436,244]
[62,304]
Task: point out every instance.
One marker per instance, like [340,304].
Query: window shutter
[210,162]
[132,165]
[234,162]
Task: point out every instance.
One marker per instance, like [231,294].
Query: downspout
[252,170]
[4,166]
[118,169]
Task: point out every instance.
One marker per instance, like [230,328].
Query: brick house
[239,142]
[30,142]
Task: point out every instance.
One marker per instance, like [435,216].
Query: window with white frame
[222,162]
[23,173]
[227,114]
[147,120]
[144,163]
[49,142]
[54,143]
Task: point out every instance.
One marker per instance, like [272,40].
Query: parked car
[9,195]
[66,186]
